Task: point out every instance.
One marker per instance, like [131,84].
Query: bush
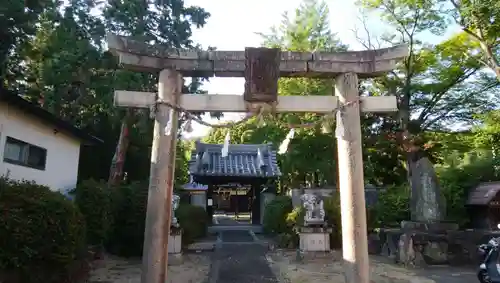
[93,200]
[332,215]
[128,211]
[129,205]
[275,215]
[457,181]
[393,206]
[193,221]
[42,233]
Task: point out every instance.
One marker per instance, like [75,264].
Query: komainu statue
[315,213]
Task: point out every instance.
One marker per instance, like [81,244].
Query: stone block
[314,242]
[175,243]
[429,226]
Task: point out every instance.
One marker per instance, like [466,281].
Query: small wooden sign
[262,71]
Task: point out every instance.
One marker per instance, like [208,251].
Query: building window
[24,154]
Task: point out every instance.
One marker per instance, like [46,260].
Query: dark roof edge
[44,115]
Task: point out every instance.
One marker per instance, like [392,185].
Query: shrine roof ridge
[233,148]
[140,56]
[243,160]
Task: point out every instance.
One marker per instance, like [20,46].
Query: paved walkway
[239,258]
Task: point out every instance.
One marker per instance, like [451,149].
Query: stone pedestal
[314,239]
[175,243]
[424,243]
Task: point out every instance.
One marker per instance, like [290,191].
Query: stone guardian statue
[315,212]
[175,204]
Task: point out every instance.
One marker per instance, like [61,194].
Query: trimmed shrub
[193,221]
[332,216]
[42,234]
[94,201]
[275,215]
[128,211]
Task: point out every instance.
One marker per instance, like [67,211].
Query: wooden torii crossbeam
[345,67]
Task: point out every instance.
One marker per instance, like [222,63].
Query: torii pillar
[345,67]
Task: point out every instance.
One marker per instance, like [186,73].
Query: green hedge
[275,215]
[193,221]
[128,214]
[94,201]
[42,234]
[128,211]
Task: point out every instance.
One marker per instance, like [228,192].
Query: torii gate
[261,68]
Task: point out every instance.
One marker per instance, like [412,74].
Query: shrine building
[235,183]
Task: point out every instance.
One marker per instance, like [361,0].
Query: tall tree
[70,74]
[165,23]
[438,86]
[480,19]
[18,21]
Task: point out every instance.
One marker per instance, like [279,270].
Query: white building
[37,146]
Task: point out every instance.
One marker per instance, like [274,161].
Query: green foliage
[296,217]
[193,221]
[487,136]
[42,233]
[457,181]
[480,19]
[275,215]
[53,53]
[94,201]
[129,204]
[332,215]
[393,206]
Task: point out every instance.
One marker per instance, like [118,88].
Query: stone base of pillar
[424,243]
[314,239]
[175,243]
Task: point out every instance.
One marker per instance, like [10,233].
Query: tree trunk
[116,168]
[492,60]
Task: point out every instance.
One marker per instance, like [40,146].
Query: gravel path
[328,268]
[193,268]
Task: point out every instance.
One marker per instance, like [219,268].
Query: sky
[233,26]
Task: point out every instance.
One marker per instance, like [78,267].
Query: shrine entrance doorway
[251,166]
[233,199]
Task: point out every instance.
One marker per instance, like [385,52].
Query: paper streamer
[284,145]
[188,127]
[168,128]
[225,147]
[339,128]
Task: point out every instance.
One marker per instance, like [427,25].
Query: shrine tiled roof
[484,193]
[243,160]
